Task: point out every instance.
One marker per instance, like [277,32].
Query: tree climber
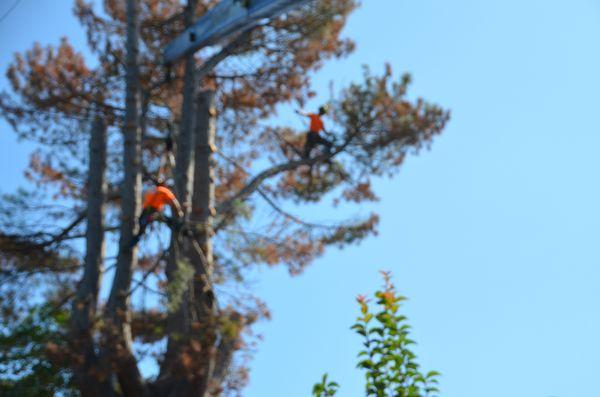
[154,202]
[313,136]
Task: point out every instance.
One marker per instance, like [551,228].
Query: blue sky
[492,233]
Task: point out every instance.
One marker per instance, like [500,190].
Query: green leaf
[432,374]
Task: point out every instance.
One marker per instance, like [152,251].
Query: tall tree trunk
[173,375]
[185,142]
[87,371]
[118,330]
[191,353]
[203,201]
[201,254]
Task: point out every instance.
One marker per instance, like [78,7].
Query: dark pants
[146,217]
[314,139]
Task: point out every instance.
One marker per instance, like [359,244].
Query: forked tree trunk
[190,360]
[118,330]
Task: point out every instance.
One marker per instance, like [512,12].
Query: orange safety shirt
[316,123]
[158,198]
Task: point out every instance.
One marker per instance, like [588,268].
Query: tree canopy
[81,307]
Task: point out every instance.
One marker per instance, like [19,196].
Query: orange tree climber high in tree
[313,136]
[154,202]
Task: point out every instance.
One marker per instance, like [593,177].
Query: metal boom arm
[223,20]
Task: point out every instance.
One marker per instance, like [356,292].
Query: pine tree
[99,126]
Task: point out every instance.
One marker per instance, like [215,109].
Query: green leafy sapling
[389,364]
[325,388]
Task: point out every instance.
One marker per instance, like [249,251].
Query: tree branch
[272,203]
[208,66]
[226,207]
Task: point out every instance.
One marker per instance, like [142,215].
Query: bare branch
[272,203]
[255,183]
[208,66]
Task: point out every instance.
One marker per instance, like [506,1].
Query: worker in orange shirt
[313,136]
[154,202]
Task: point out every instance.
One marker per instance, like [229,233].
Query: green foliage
[26,368]
[180,283]
[325,388]
[390,366]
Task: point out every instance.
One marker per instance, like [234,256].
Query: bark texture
[174,377]
[196,317]
[185,147]
[201,254]
[85,303]
[118,329]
